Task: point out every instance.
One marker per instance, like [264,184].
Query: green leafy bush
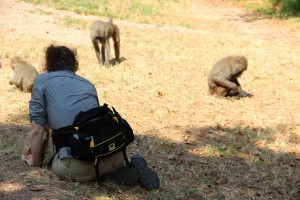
[287,7]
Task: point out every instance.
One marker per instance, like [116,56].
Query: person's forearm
[36,142]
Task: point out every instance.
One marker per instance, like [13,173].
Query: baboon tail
[110,20]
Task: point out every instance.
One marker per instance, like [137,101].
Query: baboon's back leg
[103,47]
[21,85]
[107,52]
[97,50]
[116,40]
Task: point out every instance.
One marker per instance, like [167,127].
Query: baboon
[24,74]
[101,32]
[222,80]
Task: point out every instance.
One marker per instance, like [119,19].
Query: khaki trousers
[78,170]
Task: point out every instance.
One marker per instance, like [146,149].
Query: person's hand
[28,159]
[26,151]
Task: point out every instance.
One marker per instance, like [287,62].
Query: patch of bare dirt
[24,18]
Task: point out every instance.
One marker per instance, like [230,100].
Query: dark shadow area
[256,16]
[225,163]
[12,186]
[279,9]
[252,16]
[211,162]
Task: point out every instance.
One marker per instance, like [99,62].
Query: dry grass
[201,147]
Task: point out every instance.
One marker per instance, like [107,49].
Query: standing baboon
[101,32]
[222,80]
[24,74]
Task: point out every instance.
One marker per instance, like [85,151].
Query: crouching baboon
[222,80]
[101,32]
[24,74]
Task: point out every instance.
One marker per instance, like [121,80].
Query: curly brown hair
[60,58]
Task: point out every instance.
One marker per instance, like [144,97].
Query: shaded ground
[202,147]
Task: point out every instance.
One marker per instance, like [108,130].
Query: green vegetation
[128,9]
[157,12]
[281,8]
[78,6]
[287,7]
[73,22]
[224,151]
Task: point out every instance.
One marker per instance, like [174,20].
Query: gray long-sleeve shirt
[57,97]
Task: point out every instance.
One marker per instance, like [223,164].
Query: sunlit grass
[74,22]
[149,12]
[41,11]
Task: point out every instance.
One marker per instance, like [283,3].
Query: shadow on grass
[212,162]
[256,16]
[253,16]
[226,163]
[12,136]
[113,62]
